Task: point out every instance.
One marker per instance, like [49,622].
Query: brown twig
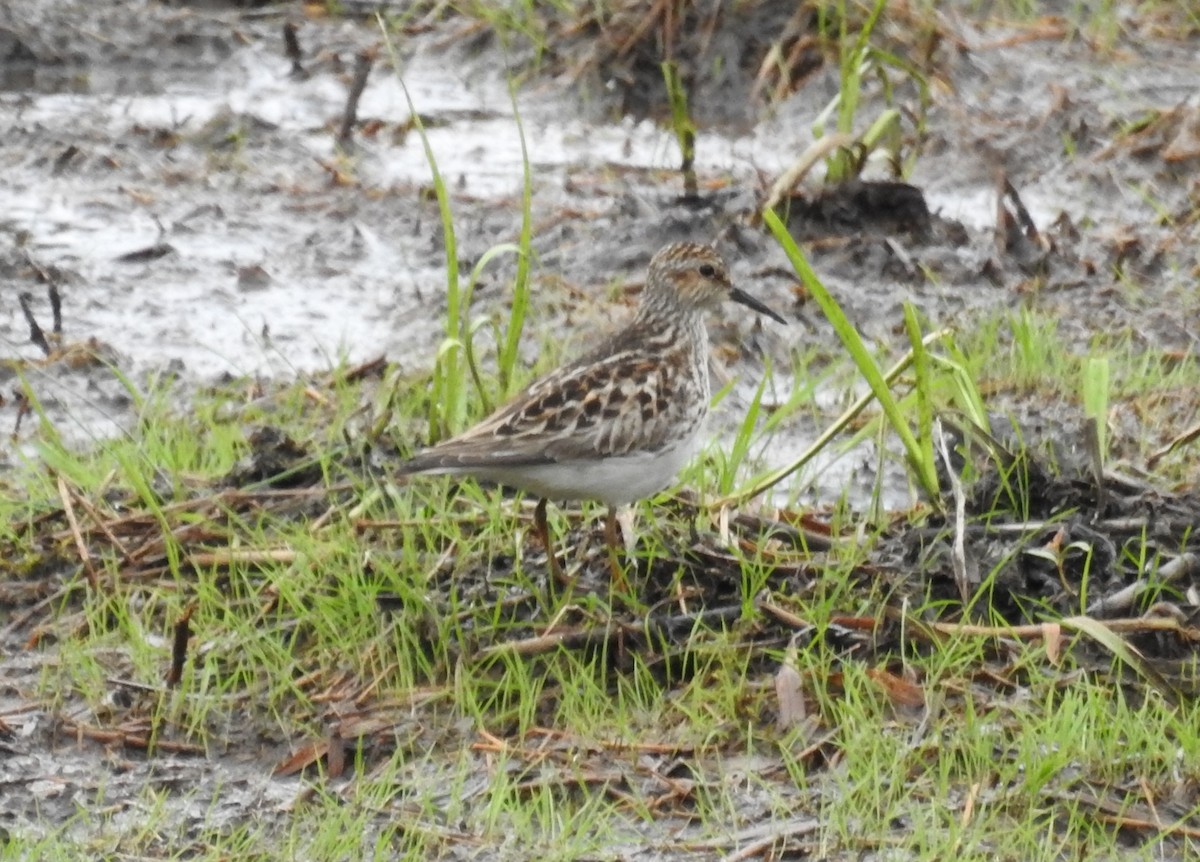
[245,556]
[19,622]
[51,290]
[773,829]
[764,528]
[81,547]
[364,370]
[291,48]
[1123,599]
[131,740]
[24,408]
[1037,631]
[55,307]
[183,632]
[362,68]
[782,615]
[36,335]
[650,628]
[1182,439]
[100,523]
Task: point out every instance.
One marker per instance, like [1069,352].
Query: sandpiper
[617,424]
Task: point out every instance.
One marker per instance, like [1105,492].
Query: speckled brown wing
[613,401]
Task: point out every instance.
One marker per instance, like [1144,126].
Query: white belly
[613,481]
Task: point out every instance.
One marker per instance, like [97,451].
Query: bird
[617,424]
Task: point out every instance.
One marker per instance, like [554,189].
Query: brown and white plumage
[617,424]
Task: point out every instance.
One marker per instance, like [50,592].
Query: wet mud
[174,174]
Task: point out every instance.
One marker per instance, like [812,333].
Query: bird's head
[690,277]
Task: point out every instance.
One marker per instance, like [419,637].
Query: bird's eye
[708,270]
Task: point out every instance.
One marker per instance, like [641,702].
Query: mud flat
[187,197]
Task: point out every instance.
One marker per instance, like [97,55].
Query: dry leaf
[1052,636]
[899,690]
[790,695]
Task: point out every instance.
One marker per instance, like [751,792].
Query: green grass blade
[741,442]
[966,392]
[1125,652]
[507,351]
[448,409]
[839,425]
[924,390]
[852,341]
[682,125]
[468,339]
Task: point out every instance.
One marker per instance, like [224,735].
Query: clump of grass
[858,59]
[383,620]
[919,450]
[456,363]
[683,127]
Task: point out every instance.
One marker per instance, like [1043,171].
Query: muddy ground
[180,184]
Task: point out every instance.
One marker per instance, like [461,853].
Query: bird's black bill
[739,296]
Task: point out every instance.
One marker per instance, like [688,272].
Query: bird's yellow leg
[542,528]
[612,538]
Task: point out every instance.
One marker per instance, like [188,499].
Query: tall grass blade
[507,350]
[924,388]
[1126,653]
[468,340]
[852,62]
[448,406]
[921,465]
[765,483]
[966,392]
[684,128]
[741,442]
